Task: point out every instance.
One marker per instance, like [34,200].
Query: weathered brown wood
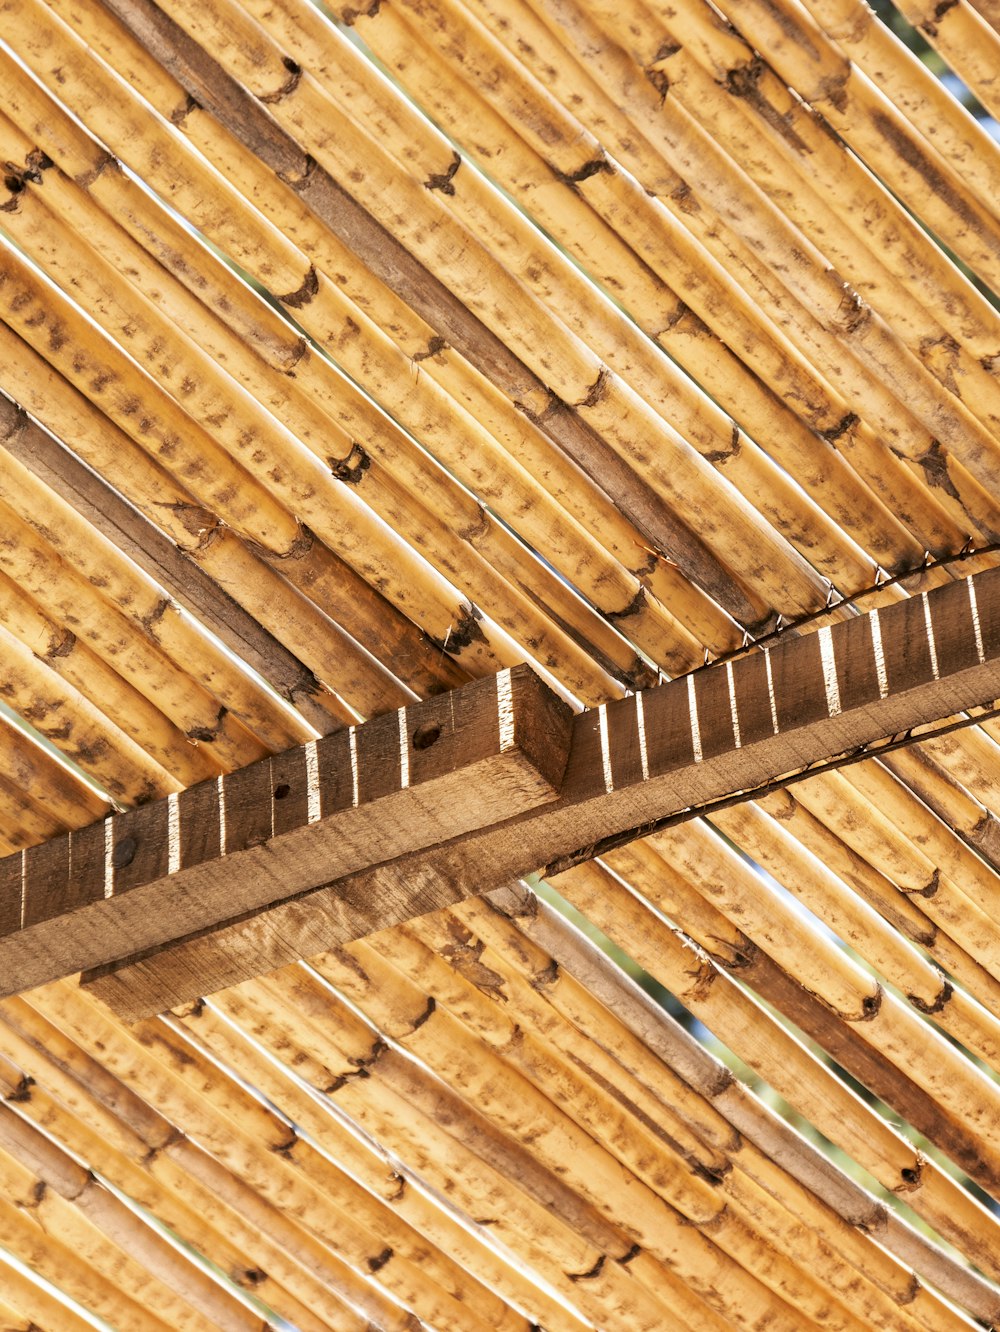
[411,779]
[724,730]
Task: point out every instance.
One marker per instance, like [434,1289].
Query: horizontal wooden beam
[238,844]
[411,811]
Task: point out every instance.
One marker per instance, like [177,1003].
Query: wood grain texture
[724,730]
[232,845]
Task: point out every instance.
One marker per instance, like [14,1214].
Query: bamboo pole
[867,121]
[479,461]
[921,97]
[604,1280]
[284,1168]
[969,44]
[744,1025]
[548,58]
[35,1307]
[530,178]
[877,370]
[335,513]
[570,371]
[246,575]
[283,1083]
[598,979]
[114,1115]
[530,986]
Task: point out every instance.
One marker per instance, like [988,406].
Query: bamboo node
[154,616]
[833,433]
[461,632]
[659,81]
[853,312]
[944,995]
[597,390]
[289,85]
[590,1275]
[86,178]
[379,1261]
[426,1015]
[935,465]
[351,469]
[465,959]
[716,456]
[22,1092]
[541,980]
[250,1276]
[626,1258]
[443,180]
[591,168]
[181,113]
[633,608]
[870,1005]
[61,645]
[305,293]
[912,1291]
[206,734]
[930,26]
[435,347]
[303,179]
[350,16]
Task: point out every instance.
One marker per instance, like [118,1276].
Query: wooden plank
[725,730]
[410,780]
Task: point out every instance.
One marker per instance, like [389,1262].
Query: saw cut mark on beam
[474,814]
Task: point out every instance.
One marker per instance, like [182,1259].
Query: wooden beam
[423,807]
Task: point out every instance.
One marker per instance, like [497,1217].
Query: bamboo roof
[348,356]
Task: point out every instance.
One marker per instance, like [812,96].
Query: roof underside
[347,357]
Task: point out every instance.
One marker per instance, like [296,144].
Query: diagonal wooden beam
[462,793]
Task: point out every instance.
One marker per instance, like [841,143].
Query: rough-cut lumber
[731,728]
[410,779]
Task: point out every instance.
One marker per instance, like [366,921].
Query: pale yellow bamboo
[114,1115]
[178,251]
[179,639]
[502,1089]
[61,649]
[833,800]
[877,369]
[65,1259]
[245,1135]
[566,214]
[281,1084]
[334,512]
[24,817]
[180,1288]
[649,1274]
[505,305]
[969,44]
[210,395]
[67,797]
[547,56]
[867,121]
[567,996]
[784,1062]
[189,1213]
[933,335]
[914,90]
[860,926]
[525,1226]
[78,729]
[243,574]
[23,1298]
